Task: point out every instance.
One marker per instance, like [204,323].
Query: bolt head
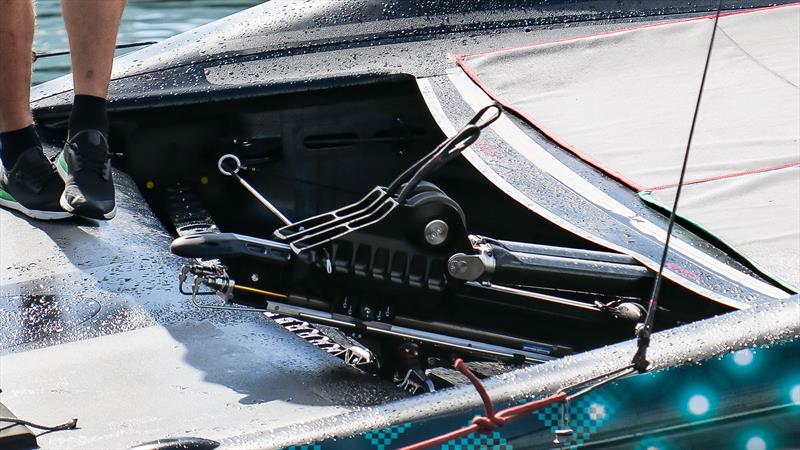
[436,232]
[458,267]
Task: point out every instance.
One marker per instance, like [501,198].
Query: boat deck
[92,326]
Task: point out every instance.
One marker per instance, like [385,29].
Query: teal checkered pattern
[381,439]
[478,441]
[586,415]
[305,447]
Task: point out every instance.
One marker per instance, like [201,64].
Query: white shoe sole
[63,200]
[35,214]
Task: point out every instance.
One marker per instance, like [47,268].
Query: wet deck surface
[92,326]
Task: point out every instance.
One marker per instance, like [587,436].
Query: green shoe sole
[7,201]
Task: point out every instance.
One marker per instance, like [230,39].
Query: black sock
[88,113]
[14,143]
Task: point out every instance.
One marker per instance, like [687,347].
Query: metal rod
[234,172]
[263,200]
[536,296]
[259,291]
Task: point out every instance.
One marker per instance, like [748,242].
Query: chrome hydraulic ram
[522,264]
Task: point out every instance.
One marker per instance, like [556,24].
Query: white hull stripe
[547,163]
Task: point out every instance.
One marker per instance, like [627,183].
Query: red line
[722,177]
[461,61]
[488,408]
[461,432]
[491,421]
[509,414]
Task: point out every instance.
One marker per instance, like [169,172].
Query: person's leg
[28,181]
[16,43]
[85,166]
[92,27]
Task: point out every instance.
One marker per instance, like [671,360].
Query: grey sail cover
[623,102]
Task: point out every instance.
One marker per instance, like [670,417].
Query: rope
[68,425]
[491,421]
[35,56]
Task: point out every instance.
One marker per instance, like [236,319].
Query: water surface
[144,20]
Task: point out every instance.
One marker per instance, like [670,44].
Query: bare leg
[29,183]
[92,27]
[16,43]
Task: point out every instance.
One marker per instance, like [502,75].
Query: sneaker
[85,167]
[32,187]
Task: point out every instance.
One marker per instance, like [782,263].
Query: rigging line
[68,425]
[36,55]
[613,376]
[645,329]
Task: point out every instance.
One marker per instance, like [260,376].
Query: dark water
[144,20]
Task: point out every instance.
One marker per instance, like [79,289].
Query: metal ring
[237,165]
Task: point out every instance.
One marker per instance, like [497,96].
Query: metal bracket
[214,276]
[413,382]
[380,202]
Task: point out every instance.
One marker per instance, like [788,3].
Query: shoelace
[94,159]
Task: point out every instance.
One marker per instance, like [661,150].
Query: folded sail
[623,102]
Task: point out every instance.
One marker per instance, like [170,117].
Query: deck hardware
[355,356]
[511,263]
[563,431]
[620,309]
[215,277]
[415,381]
[185,271]
[436,232]
[469,267]
[380,202]
[233,171]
